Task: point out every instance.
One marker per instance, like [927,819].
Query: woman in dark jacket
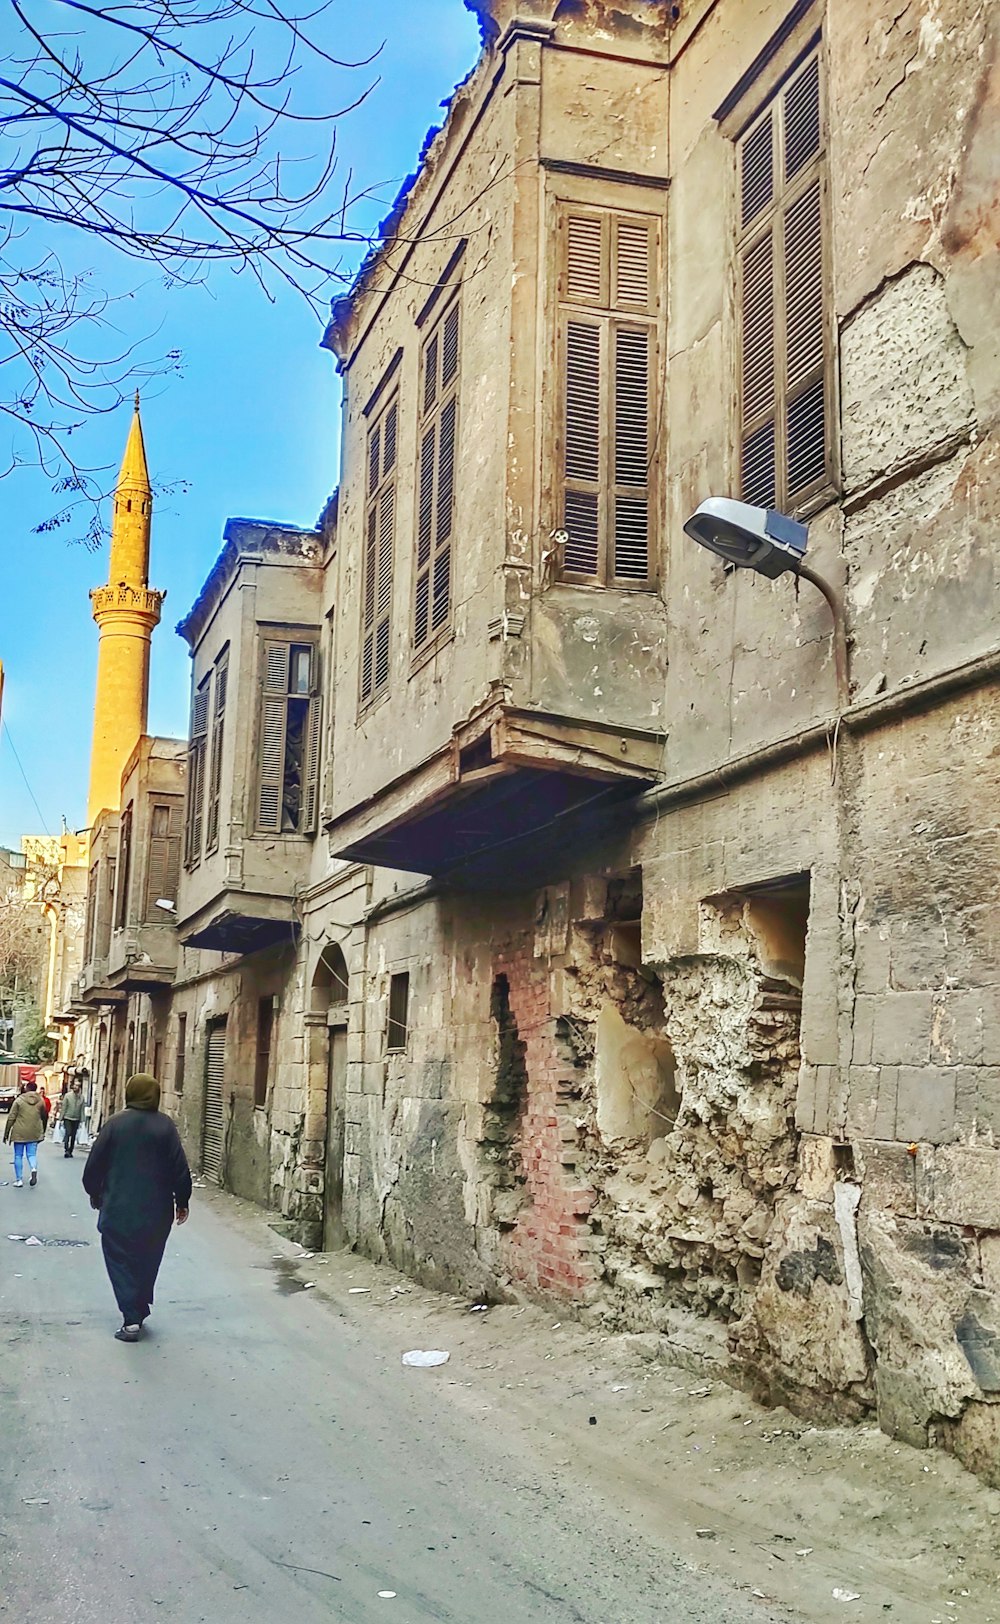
[138,1178]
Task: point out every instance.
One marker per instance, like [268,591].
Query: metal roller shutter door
[211,1151]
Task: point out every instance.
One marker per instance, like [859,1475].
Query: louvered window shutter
[782,296]
[274,707]
[610,265]
[196,770]
[163,868]
[378,554]
[173,863]
[583,459]
[436,480]
[215,770]
[310,766]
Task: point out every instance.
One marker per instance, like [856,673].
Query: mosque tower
[126,610]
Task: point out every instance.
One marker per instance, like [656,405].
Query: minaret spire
[126,611]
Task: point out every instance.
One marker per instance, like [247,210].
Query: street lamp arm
[836,603]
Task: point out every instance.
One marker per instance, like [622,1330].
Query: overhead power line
[4,727]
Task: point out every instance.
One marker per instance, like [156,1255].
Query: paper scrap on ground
[35,1502]
[846,1595]
[32,1241]
[358,1291]
[387,1595]
[426,1358]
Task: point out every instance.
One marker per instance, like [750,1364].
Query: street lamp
[772,544]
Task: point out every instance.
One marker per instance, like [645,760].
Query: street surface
[262,1456]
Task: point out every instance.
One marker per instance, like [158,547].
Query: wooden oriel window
[262,1063]
[784,300]
[397,1026]
[215,770]
[439,377]
[288,760]
[163,867]
[380,527]
[609,303]
[197,748]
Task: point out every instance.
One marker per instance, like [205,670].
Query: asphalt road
[262,1456]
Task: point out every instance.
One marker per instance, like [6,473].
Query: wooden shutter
[196,770]
[758,470]
[163,863]
[632,453]
[586,253]
[215,770]
[378,554]
[784,348]
[583,412]
[310,763]
[436,478]
[273,716]
[124,865]
[610,264]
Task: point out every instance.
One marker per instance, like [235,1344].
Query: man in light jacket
[71,1115]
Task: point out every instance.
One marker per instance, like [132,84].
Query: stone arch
[330,981]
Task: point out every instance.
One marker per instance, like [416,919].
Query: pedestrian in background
[71,1115]
[138,1179]
[27,1120]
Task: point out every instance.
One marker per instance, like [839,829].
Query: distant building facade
[548,915]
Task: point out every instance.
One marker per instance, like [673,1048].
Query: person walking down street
[27,1120]
[138,1179]
[71,1115]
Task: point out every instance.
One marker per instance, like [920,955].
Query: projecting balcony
[142,958]
[93,986]
[511,787]
[241,921]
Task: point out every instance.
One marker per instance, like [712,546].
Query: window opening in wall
[288,777]
[609,279]
[124,865]
[157,1060]
[784,299]
[380,523]
[130,1052]
[439,372]
[215,772]
[329,987]
[143,1048]
[262,1067]
[163,873]
[180,1062]
[90,925]
[397,1027]
[777,916]
[196,771]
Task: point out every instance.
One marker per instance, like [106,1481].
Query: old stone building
[557,912]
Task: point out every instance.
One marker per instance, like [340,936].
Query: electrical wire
[24,775]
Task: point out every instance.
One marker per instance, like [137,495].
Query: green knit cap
[142,1092]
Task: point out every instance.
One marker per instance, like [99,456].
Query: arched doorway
[328,1007]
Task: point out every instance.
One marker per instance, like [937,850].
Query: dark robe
[137,1174]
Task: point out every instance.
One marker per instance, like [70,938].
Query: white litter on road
[426,1358]
[846,1595]
[387,1595]
[359,1291]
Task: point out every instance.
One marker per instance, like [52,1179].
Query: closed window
[124,866]
[90,924]
[397,1026]
[609,301]
[436,477]
[163,870]
[785,370]
[197,747]
[215,770]
[288,766]
[380,530]
[180,1062]
[262,1067]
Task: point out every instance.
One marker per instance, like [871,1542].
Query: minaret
[126,612]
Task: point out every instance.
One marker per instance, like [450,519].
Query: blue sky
[251,424]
